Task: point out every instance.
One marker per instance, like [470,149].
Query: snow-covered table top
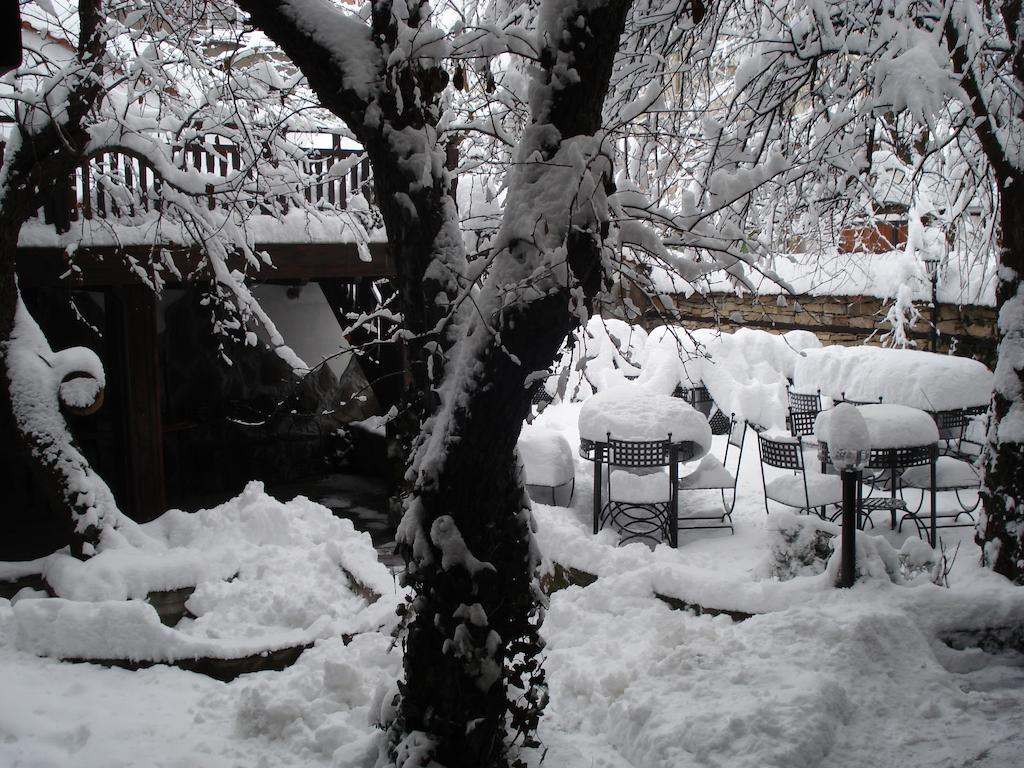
[632,412]
[889,426]
[925,380]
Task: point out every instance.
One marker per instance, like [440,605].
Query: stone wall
[969,329]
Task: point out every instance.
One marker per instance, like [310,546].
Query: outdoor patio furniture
[720,423]
[801,423]
[631,435]
[540,395]
[638,498]
[901,437]
[713,474]
[697,396]
[868,374]
[953,475]
[549,465]
[803,401]
[801,489]
[953,426]
[844,399]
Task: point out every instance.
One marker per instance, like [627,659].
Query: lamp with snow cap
[849,448]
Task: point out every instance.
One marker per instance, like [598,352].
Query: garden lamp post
[849,447]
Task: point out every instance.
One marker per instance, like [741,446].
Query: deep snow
[819,677]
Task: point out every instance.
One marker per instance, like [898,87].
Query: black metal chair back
[720,423]
[844,399]
[801,423]
[953,425]
[801,401]
[698,397]
[737,434]
[783,454]
[626,453]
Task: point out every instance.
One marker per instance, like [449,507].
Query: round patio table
[633,429]
[866,374]
[901,437]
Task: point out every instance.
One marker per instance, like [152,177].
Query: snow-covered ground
[820,677]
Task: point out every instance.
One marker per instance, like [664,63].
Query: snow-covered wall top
[860,274]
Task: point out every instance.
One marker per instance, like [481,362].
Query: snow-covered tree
[478,328]
[830,102]
[148,84]
[985,42]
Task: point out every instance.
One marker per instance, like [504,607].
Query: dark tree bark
[32,162]
[472,627]
[479,490]
[1001,528]
[415,213]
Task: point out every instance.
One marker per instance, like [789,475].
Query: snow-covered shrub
[674,357]
[876,560]
[800,546]
[267,575]
[603,355]
[804,545]
[921,563]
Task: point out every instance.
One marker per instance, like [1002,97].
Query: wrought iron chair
[801,490]
[801,401]
[698,397]
[951,474]
[640,496]
[713,474]
[801,423]
[953,431]
[844,399]
[549,466]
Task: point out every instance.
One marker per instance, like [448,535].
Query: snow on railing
[118,184]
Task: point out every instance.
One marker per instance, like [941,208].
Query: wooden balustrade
[116,185]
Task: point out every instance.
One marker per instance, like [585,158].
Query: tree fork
[479,485]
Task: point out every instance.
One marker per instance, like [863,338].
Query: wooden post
[132,320]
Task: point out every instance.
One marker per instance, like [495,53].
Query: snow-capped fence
[122,184]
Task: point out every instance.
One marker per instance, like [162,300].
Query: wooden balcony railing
[116,184]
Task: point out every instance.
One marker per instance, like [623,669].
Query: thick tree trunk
[397,126]
[53,460]
[467,533]
[473,623]
[447,682]
[31,162]
[1001,528]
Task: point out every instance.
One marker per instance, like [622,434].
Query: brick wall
[834,319]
